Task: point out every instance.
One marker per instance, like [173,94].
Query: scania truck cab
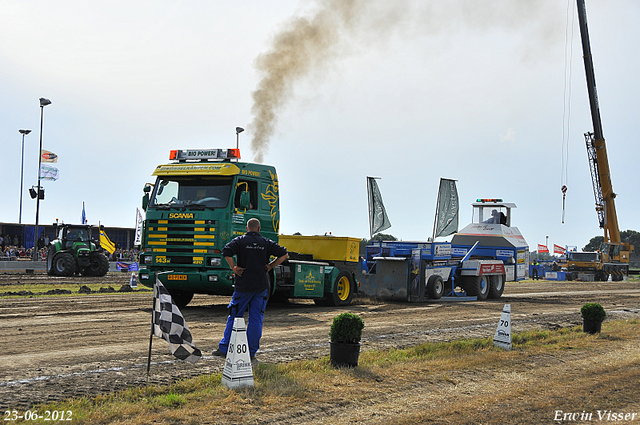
[197,204]
[201,201]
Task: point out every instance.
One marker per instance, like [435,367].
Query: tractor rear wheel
[98,265]
[51,252]
[64,264]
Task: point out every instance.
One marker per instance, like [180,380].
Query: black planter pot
[590,326]
[344,354]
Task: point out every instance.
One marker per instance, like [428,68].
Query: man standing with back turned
[251,290]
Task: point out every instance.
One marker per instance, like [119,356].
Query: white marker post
[132,282]
[237,367]
[502,338]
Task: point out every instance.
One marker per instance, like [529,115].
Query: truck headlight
[213,278]
[215,261]
[148,259]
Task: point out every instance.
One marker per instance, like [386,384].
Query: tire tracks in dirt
[60,347]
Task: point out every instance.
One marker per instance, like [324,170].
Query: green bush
[593,312]
[346,328]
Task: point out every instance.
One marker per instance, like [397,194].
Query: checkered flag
[169,325]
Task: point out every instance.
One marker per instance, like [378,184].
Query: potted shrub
[592,317]
[345,334]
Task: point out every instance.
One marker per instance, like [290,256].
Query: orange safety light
[233,153]
[173,155]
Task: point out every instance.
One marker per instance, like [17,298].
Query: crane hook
[564,195]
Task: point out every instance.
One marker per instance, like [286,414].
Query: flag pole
[150,345]
[156,292]
[435,218]
[155,289]
[369,204]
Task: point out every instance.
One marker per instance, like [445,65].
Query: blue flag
[84,216]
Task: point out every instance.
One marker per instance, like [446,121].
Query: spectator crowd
[11,248]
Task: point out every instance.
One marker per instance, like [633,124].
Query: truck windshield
[182,191]
[582,256]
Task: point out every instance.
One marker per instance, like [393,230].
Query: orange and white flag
[48,156]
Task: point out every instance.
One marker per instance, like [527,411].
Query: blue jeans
[256,303]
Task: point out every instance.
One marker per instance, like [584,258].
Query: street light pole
[24,133]
[547,242]
[43,102]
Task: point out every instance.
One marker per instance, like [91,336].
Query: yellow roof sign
[221,169]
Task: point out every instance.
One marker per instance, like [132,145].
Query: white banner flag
[138,239]
[47,172]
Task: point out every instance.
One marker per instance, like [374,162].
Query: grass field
[546,374]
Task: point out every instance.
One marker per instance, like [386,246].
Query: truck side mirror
[245,200]
[145,198]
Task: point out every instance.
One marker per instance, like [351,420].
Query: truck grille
[181,242]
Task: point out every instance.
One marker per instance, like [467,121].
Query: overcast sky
[409,92]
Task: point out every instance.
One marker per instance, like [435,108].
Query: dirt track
[59,347]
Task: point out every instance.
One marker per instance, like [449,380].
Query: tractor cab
[74,234]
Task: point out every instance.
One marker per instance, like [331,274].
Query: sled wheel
[435,287]
[496,287]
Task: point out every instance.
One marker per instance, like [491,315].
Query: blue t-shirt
[252,251]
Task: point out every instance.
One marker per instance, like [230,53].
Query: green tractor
[75,252]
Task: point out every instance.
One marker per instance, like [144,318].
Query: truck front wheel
[342,289]
[181,298]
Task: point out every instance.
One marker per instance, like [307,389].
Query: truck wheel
[342,289]
[181,298]
[64,264]
[478,286]
[496,287]
[435,287]
[98,265]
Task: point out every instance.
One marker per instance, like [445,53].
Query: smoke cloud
[307,44]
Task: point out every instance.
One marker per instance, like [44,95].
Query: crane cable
[566,111]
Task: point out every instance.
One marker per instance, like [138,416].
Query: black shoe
[219,353]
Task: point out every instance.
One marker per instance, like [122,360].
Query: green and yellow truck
[202,200]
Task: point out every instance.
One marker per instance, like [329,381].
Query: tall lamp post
[24,133]
[43,102]
[547,244]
